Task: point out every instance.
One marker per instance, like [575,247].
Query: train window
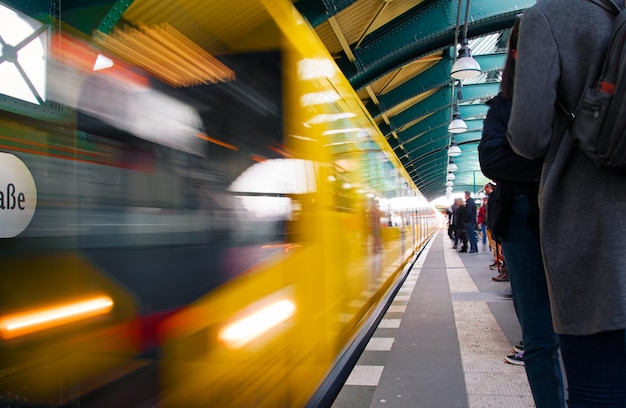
[22,56]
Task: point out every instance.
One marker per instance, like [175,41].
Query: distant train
[197,214]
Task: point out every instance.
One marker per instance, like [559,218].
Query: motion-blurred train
[195,207]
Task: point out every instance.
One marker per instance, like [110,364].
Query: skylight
[22,56]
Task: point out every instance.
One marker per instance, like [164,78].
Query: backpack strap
[614,8]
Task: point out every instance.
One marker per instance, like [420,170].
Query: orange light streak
[82,56]
[250,327]
[286,247]
[217,141]
[31,321]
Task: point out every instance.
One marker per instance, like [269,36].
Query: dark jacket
[497,160]
[513,174]
[470,212]
[459,214]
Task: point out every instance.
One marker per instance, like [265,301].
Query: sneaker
[519,348]
[493,266]
[515,359]
[503,277]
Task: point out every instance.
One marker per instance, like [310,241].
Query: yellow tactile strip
[489,381]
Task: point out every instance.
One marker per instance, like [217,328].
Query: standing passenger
[518,227]
[482,222]
[469,221]
[459,215]
[560,51]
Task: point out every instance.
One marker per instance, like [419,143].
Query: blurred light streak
[48,154]
[319,98]
[277,176]
[282,150]
[217,141]
[257,158]
[102,62]
[31,321]
[267,208]
[287,247]
[330,117]
[51,146]
[340,131]
[316,68]
[245,330]
[80,55]
[167,54]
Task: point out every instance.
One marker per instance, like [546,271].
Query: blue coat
[509,170]
[470,212]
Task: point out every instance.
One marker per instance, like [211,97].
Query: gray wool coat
[583,208]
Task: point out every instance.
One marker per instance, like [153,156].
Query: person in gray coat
[560,51]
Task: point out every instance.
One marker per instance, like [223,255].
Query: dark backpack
[598,124]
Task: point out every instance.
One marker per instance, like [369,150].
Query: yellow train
[195,209]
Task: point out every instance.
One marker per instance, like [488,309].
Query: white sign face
[18,196]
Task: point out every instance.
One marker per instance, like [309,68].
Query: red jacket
[481,214]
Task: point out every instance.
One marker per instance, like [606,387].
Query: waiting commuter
[482,221]
[560,51]
[469,221]
[492,242]
[517,181]
[459,215]
[450,215]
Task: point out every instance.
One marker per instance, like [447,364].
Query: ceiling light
[449,183]
[457,125]
[454,150]
[465,66]
[450,176]
[451,165]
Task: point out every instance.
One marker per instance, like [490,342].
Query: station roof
[397,55]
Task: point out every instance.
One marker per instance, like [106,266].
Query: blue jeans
[483,228]
[470,230]
[522,254]
[596,369]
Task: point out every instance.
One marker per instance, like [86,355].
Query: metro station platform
[442,342]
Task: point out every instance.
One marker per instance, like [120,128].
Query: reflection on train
[206,229]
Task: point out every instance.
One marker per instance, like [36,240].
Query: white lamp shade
[448,190]
[457,126]
[452,167]
[450,176]
[454,150]
[465,68]
[449,183]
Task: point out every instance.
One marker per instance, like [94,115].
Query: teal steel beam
[433,103]
[435,77]
[434,121]
[114,15]
[477,110]
[485,90]
[411,37]
[316,12]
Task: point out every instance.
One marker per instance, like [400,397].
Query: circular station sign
[18,196]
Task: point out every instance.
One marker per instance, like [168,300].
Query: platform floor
[442,342]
